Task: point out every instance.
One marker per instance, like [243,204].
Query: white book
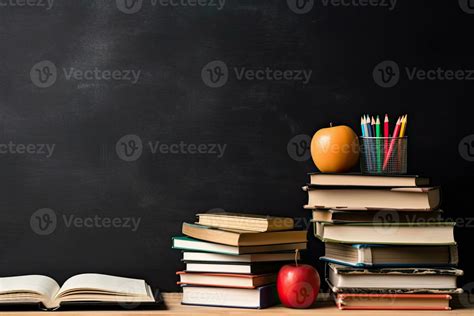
[440,233]
[79,288]
[261,297]
[392,278]
[258,257]
[191,244]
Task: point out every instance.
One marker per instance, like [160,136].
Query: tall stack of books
[232,259]
[386,245]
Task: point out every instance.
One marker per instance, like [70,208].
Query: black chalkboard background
[174,102]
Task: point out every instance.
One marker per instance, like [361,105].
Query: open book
[87,287]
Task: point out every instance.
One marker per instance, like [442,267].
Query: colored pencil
[377,127]
[366,132]
[400,141]
[372,124]
[369,128]
[362,125]
[372,130]
[370,144]
[396,132]
[373,152]
[386,134]
[366,143]
[404,125]
[379,152]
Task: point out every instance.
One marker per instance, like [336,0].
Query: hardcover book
[243,238]
[359,179]
[438,233]
[408,198]
[360,255]
[248,222]
[226,279]
[336,289]
[261,297]
[186,243]
[402,216]
[226,267]
[392,301]
[257,257]
[392,278]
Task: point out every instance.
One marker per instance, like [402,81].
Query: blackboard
[122,119]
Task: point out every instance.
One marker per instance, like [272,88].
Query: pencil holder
[383,155]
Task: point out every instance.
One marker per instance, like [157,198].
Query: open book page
[28,288]
[101,287]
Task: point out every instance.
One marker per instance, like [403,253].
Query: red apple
[298,285]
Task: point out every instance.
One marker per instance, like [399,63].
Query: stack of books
[232,260]
[386,245]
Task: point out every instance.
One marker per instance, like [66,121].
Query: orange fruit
[335,149]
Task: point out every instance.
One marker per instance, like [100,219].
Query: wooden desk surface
[174,307]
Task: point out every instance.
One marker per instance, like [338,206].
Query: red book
[243,281]
[392,301]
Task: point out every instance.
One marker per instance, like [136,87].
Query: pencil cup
[383,155]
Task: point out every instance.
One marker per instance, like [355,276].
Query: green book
[422,233]
[187,243]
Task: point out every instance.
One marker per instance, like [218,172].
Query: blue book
[366,255]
